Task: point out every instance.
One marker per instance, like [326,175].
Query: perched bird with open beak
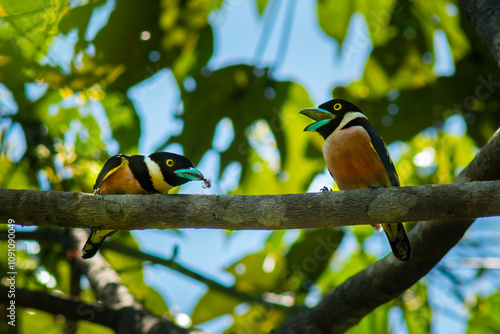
[357,158]
[138,174]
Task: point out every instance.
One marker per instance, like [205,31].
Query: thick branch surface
[236,212]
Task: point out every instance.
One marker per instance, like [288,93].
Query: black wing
[382,152]
[109,168]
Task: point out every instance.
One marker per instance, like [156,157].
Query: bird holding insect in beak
[357,158]
[138,174]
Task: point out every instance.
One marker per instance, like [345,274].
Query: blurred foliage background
[67,70]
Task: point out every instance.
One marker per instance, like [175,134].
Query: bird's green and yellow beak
[191,173]
[321,116]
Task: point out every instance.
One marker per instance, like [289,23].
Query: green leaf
[124,121]
[293,144]
[16,176]
[308,258]
[275,239]
[340,271]
[35,321]
[154,303]
[192,63]
[212,305]
[257,320]
[362,232]
[259,272]
[239,95]
[29,26]
[335,16]
[416,309]
[375,322]
[484,317]
[85,327]
[442,19]
[129,269]
[261,5]
[173,31]
[79,18]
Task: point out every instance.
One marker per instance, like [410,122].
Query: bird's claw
[373,187]
[325,189]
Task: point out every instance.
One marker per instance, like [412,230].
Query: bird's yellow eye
[170,162]
[337,106]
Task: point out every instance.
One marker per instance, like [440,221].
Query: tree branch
[347,304]
[237,212]
[484,17]
[71,325]
[173,265]
[113,294]
[123,320]
[58,304]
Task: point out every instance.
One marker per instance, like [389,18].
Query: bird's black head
[176,169]
[339,107]
[329,116]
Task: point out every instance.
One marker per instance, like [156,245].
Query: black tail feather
[400,244]
[94,242]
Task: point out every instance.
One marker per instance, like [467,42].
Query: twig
[170,263]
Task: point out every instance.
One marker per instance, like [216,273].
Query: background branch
[113,294]
[237,212]
[484,17]
[51,235]
[119,309]
[123,320]
[171,264]
[75,289]
[70,307]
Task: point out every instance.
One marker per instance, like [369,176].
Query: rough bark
[235,212]
[484,17]
[347,304]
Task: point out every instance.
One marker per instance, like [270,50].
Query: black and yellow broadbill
[138,174]
[357,158]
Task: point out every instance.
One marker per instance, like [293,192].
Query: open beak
[191,174]
[317,114]
[321,116]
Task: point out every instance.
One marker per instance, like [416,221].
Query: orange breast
[352,161]
[122,181]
